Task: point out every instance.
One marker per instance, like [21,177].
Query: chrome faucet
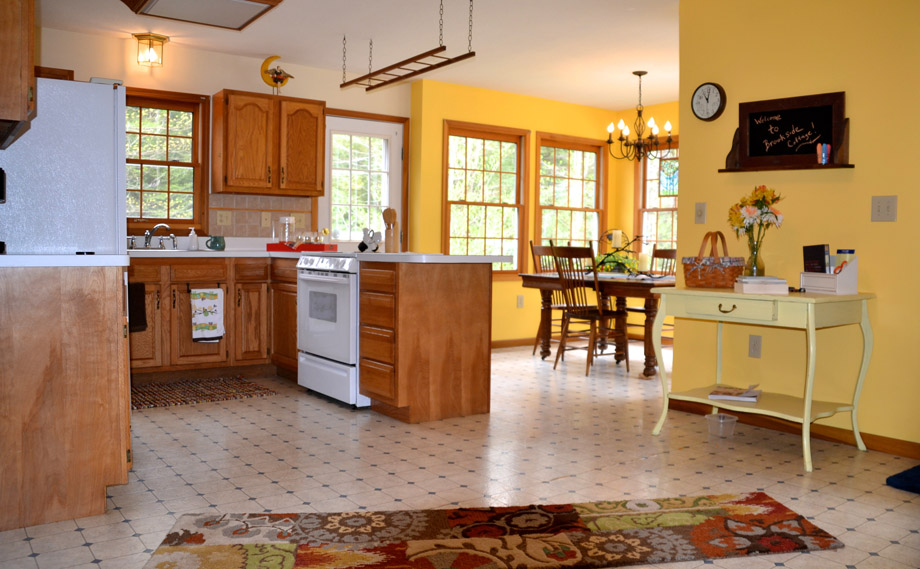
[148,235]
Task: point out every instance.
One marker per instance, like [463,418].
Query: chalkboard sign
[784,133]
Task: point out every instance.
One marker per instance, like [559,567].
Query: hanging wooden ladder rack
[399,72]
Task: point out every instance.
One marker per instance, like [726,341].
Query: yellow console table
[803,311]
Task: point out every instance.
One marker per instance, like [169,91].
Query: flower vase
[753,266]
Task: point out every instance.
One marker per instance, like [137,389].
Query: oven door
[327,315]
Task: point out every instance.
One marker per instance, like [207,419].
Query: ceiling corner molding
[228,14]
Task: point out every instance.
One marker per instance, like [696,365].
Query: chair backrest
[542,258]
[664,261]
[574,264]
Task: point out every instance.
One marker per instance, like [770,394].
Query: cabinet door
[147,346]
[250,325]
[17,74]
[184,349]
[249,142]
[284,325]
[302,136]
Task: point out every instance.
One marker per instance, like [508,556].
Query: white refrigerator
[65,176]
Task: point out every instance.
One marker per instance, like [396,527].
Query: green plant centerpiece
[616,262]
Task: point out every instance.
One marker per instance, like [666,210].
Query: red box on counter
[302,247]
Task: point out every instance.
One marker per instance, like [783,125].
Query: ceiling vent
[229,14]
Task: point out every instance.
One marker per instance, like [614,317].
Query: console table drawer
[731,307]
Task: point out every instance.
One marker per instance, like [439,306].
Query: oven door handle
[322,279]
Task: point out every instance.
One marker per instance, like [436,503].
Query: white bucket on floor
[721,424]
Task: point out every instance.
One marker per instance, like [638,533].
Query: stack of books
[761,285]
[728,393]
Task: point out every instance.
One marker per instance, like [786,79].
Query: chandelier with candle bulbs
[641,146]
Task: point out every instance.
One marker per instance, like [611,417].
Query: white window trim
[393,132]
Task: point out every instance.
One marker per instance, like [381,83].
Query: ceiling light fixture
[638,148]
[150,49]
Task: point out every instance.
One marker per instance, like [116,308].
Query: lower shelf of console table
[804,311]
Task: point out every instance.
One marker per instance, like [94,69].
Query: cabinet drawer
[731,308]
[144,273]
[378,309]
[378,344]
[198,272]
[284,270]
[378,381]
[249,270]
[380,280]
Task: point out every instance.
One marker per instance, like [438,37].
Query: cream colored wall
[764,49]
[433,102]
[204,72]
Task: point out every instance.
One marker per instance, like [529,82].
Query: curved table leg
[662,373]
[866,329]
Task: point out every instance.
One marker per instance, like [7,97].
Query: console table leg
[655,334]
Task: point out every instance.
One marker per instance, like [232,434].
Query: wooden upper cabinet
[268,144]
[249,141]
[17,71]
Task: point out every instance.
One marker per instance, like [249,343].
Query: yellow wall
[433,102]
[764,49]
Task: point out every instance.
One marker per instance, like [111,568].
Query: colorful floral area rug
[191,391]
[596,534]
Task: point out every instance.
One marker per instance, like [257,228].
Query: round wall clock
[708,101]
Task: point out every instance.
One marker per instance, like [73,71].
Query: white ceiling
[578,51]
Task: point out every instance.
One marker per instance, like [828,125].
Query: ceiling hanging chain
[370,57]
[343,58]
[412,66]
[469,48]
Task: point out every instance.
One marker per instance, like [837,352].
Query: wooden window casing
[200,106]
[570,171]
[456,213]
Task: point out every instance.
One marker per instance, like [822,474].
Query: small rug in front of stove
[191,391]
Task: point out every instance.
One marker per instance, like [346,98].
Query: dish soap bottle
[192,240]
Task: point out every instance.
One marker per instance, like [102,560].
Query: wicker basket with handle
[712,271]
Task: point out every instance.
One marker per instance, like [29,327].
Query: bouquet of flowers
[752,216]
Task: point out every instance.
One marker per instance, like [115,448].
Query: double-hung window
[570,205]
[166,155]
[484,180]
[657,201]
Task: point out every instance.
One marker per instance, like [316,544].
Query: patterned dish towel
[207,314]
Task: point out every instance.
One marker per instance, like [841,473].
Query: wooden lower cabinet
[425,339]
[63,392]
[167,345]
[284,314]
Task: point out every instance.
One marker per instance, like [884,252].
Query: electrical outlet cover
[266,219]
[300,220]
[224,218]
[699,213]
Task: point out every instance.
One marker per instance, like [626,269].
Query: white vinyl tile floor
[551,437]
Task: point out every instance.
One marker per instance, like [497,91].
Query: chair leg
[561,348]
[592,345]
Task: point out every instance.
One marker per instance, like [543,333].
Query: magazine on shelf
[729,393]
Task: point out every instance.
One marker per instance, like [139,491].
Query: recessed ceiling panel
[232,14]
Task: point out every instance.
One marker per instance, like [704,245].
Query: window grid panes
[483,198]
[569,204]
[658,211]
[360,184]
[160,168]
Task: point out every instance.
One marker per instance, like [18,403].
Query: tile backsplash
[246,211]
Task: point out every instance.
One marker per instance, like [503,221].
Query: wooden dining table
[615,286]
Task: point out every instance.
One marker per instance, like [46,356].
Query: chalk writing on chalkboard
[792,131]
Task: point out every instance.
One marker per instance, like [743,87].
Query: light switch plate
[754,345]
[266,219]
[699,213]
[884,208]
[224,217]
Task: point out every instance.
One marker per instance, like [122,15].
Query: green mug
[216,243]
